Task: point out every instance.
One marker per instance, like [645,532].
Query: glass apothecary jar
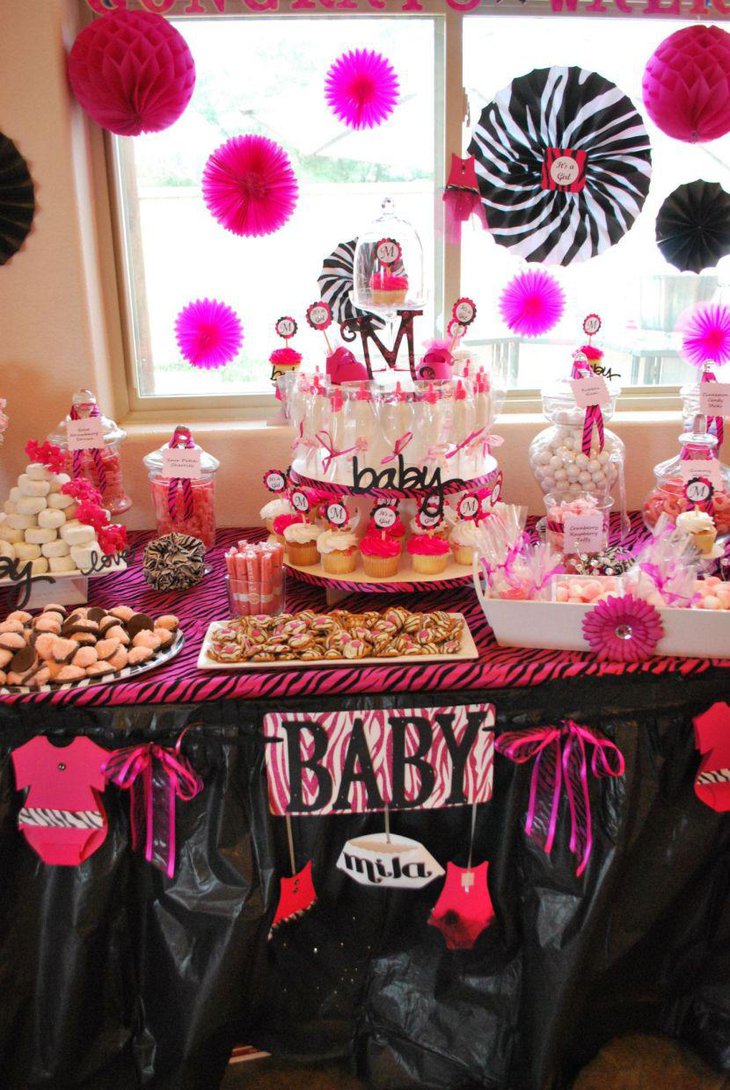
[692,401]
[92,443]
[671,495]
[388,269]
[182,484]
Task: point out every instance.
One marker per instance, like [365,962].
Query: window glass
[266,76]
[637,293]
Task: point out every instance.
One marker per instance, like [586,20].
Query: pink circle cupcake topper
[300,501]
[388,251]
[337,515]
[286,327]
[591,325]
[275,480]
[469,507]
[319,315]
[384,516]
[464,311]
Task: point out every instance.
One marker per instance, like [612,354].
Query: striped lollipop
[563,164]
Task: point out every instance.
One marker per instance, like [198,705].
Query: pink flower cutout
[47,454]
[361,88]
[706,334]
[249,186]
[209,333]
[81,490]
[532,303]
[623,629]
[91,514]
[112,538]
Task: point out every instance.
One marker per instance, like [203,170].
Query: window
[638,295]
[265,74]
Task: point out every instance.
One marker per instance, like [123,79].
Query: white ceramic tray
[468,650]
[128,673]
[691,633]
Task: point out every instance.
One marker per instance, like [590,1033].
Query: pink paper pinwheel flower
[249,186]
[361,88]
[532,303]
[706,334]
[209,333]
[623,629]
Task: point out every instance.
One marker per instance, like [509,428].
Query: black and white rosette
[17,199]
[563,163]
[336,283]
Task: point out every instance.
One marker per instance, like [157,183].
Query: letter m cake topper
[402,758]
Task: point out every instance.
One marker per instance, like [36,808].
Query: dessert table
[117,976]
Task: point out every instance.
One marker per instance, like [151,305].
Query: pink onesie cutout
[62,818]
[712,738]
[464,908]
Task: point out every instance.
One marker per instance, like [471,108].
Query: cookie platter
[453,643]
[57,649]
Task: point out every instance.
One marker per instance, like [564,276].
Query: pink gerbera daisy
[623,629]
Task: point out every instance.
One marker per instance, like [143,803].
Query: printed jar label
[591,390]
[181,462]
[85,434]
[715,398]
[584,533]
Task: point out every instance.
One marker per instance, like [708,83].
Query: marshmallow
[29,487]
[6,549]
[14,494]
[39,566]
[37,472]
[60,501]
[58,480]
[55,548]
[83,556]
[61,564]
[10,507]
[26,551]
[22,522]
[50,519]
[76,533]
[31,505]
[40,537]
[9,533]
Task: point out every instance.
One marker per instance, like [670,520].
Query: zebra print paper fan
[336,282]
[17,199]
[563,163]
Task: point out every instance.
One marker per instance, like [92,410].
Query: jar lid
[84,404]
[153,460]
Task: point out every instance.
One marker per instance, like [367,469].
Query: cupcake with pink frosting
[380,555]
[429,554]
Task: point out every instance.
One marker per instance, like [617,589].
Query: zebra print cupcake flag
[563,163]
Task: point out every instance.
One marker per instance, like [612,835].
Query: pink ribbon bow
[325,440]
[77,456]
[714,423]
[156,776]
[470,440]
[398,448]
[181,437]
[560,757]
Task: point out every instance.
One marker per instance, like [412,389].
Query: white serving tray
[468,650]
[691,633]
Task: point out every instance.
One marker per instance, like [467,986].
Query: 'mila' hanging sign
[403,758]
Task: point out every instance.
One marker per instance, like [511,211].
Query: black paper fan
[693,226]
[563,164]
[336,282]
[17,200]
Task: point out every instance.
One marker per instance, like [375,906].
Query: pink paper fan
[706,334]
[132,72]
[249,186]
[623,629]
[209,333]
[532,303]
[361,88]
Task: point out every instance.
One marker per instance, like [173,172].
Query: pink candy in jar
[182,483]
[91,442]
[669,499]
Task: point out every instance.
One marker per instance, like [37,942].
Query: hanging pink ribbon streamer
[77,456]
[560,758]
[470,440]
[181,437]
[714,423]
[325,440]
[398,448]
[134,769]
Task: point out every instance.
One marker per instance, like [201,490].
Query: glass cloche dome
[388,273]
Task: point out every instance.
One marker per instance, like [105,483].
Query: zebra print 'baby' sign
[403,758]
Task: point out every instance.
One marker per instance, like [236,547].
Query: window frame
[449,89]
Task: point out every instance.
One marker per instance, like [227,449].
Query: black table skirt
[115,977]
